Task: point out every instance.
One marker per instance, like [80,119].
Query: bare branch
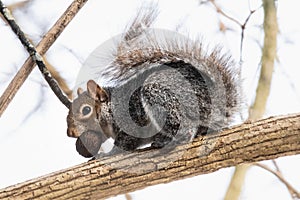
[276,166]
[42,47]
[241,25]
[219,10]
[294,193]
[60,80]
[251,142]
[34,54]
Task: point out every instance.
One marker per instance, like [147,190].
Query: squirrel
[158,88]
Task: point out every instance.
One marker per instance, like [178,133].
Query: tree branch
[241,25]
[269,52]
[42,48]
[294,193]
[34,54]
[250,142]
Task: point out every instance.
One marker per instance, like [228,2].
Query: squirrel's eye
[86,110]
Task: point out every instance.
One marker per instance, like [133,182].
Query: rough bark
[251,142]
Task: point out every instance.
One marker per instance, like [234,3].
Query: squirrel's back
[143,50]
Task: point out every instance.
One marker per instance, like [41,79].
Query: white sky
[36,145]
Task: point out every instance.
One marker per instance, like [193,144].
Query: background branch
[241,25]
[251,142]
[6,13]
[42,48]
[55,74]
[294,193]
[267,61]
[60,80]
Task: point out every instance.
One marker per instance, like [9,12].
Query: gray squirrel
[160,89]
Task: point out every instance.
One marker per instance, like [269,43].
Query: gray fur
[165,88]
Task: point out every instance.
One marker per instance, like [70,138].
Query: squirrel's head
[85,112]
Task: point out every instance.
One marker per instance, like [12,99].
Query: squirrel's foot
[161,141]
[159,144]
[163,146]
[168,144]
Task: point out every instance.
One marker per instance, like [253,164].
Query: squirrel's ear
[79,91]
[96,92]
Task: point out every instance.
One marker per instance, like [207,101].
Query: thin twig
[219,10]
[55,74]
[294,193]
[34,54]
[60,80]
[276,166]
[42,47]
[242,26]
